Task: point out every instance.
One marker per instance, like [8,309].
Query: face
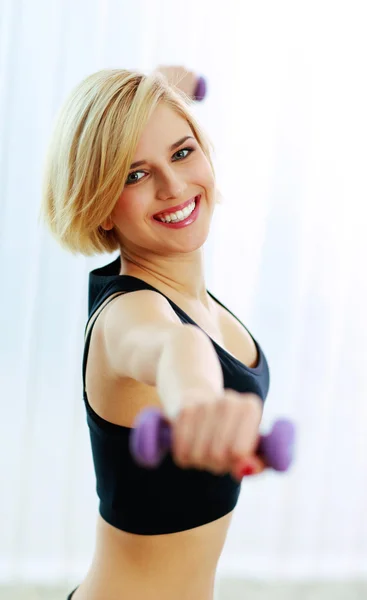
[168,178]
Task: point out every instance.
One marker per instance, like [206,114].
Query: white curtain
[286,109]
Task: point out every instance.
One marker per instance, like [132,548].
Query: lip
[181,224]
[174,209]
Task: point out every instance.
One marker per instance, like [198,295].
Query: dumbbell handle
[151,439]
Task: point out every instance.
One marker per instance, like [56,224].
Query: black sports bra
[167,499]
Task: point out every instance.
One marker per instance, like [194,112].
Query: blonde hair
[91,150]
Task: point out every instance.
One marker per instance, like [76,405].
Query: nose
[170,185]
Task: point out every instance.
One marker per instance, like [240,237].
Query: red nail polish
[248,470]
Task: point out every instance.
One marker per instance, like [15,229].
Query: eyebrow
[175,145]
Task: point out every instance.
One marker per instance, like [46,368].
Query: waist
[186,559]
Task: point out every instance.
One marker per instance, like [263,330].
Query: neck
[184,276]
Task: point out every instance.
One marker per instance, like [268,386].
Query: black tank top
[166,499]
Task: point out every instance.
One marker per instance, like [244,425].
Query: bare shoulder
[140,306]
[132,324]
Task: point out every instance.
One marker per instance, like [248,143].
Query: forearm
[188,366]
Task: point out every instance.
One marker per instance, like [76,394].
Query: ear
[107,224]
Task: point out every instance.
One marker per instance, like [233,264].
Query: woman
[129,169]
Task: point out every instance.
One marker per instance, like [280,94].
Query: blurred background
[286,109]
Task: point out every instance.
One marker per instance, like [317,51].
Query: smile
[182,217]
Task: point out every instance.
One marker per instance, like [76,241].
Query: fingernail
[248,470]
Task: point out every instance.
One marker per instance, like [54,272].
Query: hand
[219,435]
[180,77]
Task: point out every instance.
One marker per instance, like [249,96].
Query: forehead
[164,127]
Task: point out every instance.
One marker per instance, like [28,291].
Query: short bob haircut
[92,147]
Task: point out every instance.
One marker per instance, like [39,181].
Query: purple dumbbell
[200,89]
[151,439]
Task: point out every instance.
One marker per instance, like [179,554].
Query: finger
[202,440]
[247,433]
[253,465]
[224,431]
[184,433]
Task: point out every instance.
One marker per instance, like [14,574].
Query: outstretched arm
[154,347]
[213,428]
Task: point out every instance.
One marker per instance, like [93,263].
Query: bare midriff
[179,566]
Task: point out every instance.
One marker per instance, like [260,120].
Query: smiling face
[169,177]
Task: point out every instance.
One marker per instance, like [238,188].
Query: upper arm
[135,327]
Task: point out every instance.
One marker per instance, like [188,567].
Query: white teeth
[180,215]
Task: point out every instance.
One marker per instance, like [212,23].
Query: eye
[131,182]
[189,150]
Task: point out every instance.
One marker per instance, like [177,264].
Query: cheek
[127,208]
[204,172]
